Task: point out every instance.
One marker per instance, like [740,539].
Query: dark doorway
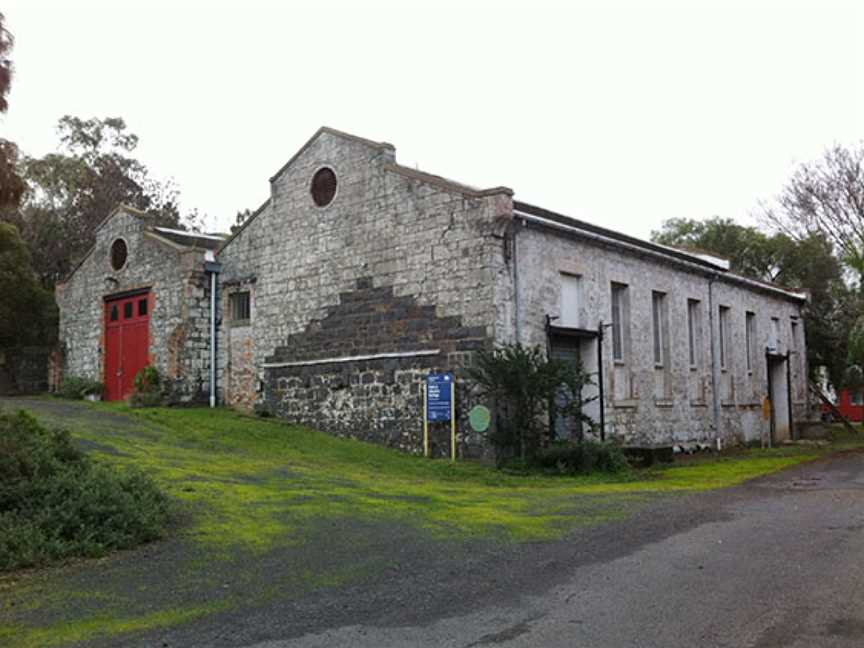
[780,397]
[575,345]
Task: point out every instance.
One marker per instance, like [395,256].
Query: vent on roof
[118,254]
[323,186]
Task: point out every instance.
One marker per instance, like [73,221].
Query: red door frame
[127,341]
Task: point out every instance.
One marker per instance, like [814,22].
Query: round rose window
[323,187]
[118,254]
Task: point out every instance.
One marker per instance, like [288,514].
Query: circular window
[118,254]
[323,186]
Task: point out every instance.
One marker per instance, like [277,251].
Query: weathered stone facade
[357,277]
[356,301]
[670,402]
[170,267]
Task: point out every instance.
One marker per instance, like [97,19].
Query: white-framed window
[660,324]
[774,343]
[856,398]
[694,332]
[571,300]
[620,321]
[750,339]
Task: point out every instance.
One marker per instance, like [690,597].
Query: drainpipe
[715,368]
[213,268]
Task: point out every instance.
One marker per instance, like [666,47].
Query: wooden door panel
[127,343]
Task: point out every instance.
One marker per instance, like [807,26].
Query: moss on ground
[245,488]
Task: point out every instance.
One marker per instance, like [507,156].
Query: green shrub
[56,502]
[148,390]
[77,388]
[527,390]
[581,458]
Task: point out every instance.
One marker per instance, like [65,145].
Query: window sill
[698,403]
[620,363]
[663,402]
[626,404]
[728,404]
[694,367]
[240,323]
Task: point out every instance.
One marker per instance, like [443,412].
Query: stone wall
[178,332]
[422,251]
[647,405]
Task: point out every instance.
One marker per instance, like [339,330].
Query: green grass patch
[252,483]
[247,491]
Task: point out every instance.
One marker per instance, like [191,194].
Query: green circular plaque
[479,417]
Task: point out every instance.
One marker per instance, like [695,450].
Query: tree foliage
[524,386]
[27,312]
[807,263]
[69,193]
[11,185]
[825,198]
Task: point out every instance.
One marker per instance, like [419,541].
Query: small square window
[142,307]
[127,310]
[241,310]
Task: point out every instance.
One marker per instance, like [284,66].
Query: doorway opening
[578,345]
[780,397]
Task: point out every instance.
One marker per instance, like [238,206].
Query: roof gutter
[701,267]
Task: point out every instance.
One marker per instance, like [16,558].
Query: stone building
[139,297]
[359,276]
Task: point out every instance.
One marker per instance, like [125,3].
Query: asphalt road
[777,562]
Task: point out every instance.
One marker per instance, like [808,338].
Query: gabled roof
[179,240]
[415,174]
[382,146]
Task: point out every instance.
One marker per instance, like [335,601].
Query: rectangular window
[793,343]
[856,398]
[142,307]
[127,310]
[620,320]
[775,334]
[571,300]
[240,307]
[750,335]
[658,313]
[724,337]
[694,330]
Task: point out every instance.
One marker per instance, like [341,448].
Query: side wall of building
[178,344]
[352,304]
[661,397]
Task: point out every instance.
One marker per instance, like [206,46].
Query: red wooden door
[127,343]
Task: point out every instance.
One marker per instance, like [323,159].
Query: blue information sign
[438,403]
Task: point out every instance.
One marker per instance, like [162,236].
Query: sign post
[439,398]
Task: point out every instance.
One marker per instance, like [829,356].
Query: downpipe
[213,268]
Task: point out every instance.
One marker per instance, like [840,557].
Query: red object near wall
[127,343]
[850,404]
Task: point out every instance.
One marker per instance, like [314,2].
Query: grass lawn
[248,490]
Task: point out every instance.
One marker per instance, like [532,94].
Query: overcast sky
[624,115]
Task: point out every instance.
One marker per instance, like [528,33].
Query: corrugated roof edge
[545,214]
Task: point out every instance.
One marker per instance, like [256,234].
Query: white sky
[620,113]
